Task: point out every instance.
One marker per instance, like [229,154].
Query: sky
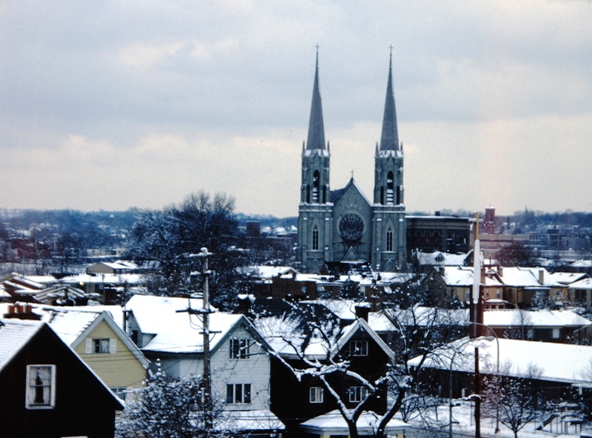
[108,105]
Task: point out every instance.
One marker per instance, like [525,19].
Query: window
[357,394]
[389,239]
[315,238]
[390,186]
[101,346]
[316,394]
[238,393]
[556,333]
[40,386]
[239,348]
[358,348]
[316,178]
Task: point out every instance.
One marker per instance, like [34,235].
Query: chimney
[541,276]
[500,271]
[362,311]
[21,311]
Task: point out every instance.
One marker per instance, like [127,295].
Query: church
[344,225]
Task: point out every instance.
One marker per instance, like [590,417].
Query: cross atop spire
[316,128]
[390,136]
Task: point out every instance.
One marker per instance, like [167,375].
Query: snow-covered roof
[285,336]
[582,264]
[565,363]
[175,329]
[73,323]
[522,277]
[15,334]
[131,279]
[539,318]
[441,258]
[344,309]
[268,272]
[332,423]
[563,278]
[584,284]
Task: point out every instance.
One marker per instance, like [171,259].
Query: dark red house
[46,390]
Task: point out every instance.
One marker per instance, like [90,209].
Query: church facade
[344,225]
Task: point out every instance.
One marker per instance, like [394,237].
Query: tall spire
[316,129]
[390,137]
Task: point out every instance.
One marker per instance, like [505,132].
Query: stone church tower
[343,225]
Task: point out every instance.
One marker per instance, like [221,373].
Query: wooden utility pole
[205,317]
[477,318]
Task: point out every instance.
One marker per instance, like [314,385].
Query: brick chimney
[21,311]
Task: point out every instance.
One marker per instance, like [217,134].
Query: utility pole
[205,316]
[477,319]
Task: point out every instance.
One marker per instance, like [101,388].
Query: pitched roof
[179,331]
[565,363]
[285,335]
[539,318]
[14,335]
[74,324]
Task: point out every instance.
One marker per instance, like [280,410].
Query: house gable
[75,384]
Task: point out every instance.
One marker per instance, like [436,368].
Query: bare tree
[513,401]
[418,332]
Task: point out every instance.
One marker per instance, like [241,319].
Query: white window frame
[358,347]
[238,393]
[239,348]
[47,386]
[316,394]
[97,346]
[357,393]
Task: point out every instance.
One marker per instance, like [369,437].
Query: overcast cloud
[111,104]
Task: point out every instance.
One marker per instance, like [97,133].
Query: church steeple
[389,141]
[388,163]
[316,129]
[315,154]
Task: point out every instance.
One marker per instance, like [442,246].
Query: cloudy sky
[113,104]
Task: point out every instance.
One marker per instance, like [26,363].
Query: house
[97,339]
[539,325]
[46,389]
[298,397]
[559,371]
[170,331]
[580,293]
[116,268]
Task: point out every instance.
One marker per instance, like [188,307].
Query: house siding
[254,370]
[118,370]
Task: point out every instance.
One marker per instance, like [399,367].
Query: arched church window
[315,238]
[389,239]
[390,188]
[315,186]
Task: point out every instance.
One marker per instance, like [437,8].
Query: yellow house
[98,341]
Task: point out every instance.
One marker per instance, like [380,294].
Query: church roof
[389,140]
[316,128]
[337,194]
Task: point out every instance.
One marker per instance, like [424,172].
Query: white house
[240,367]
